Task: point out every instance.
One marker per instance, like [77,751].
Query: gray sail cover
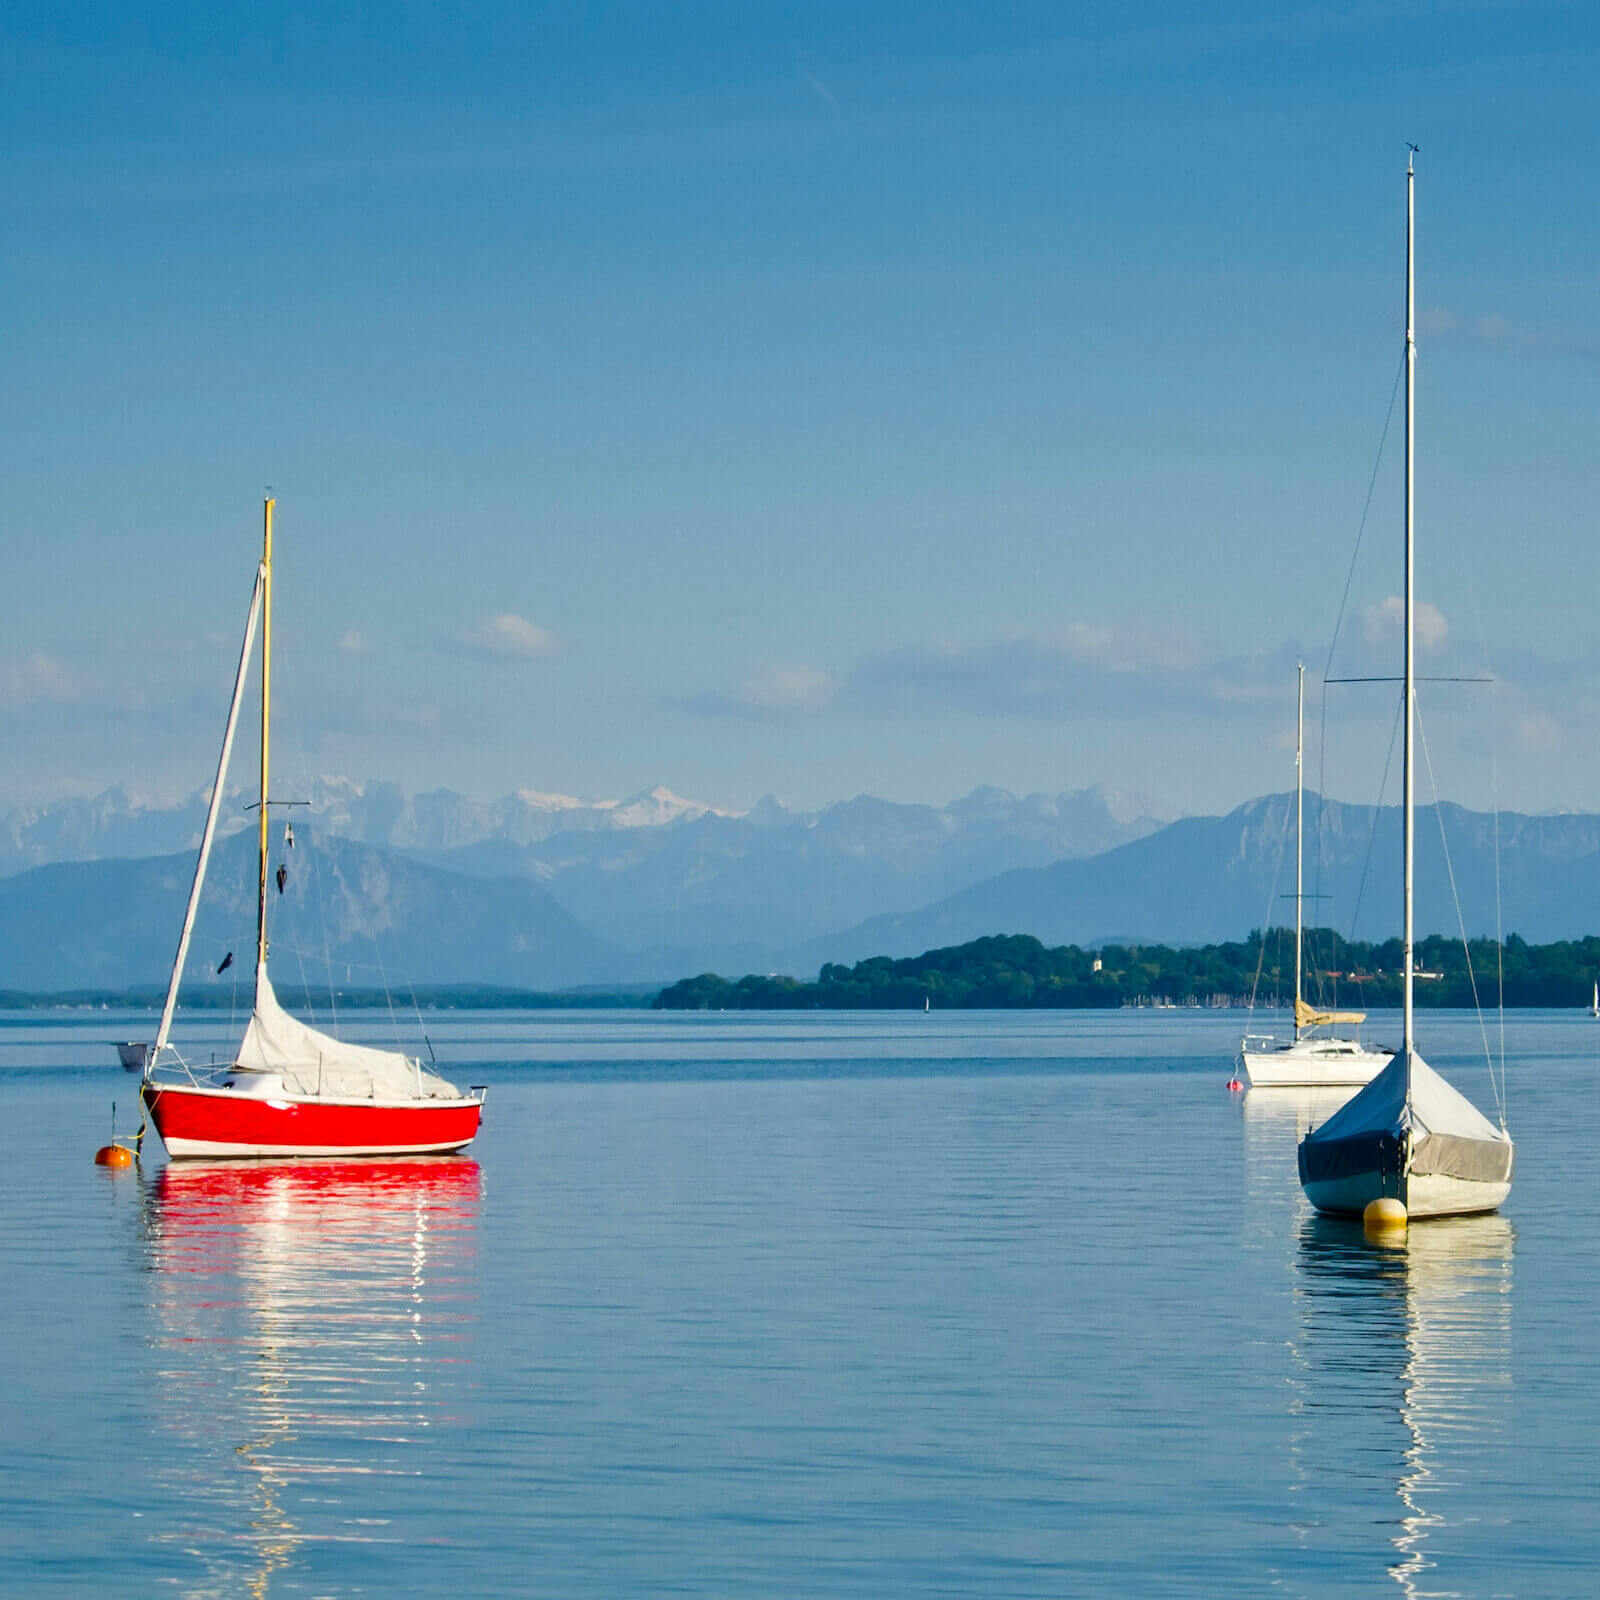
[1445,1132]
[313,1063]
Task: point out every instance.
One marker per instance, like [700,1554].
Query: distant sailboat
[1594,1005]
[1309,1060]
[1408,1136]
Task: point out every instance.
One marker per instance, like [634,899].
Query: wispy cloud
[817,86]
[354,642]
[1536,733]
[36,678]
[774,694]
[1497,330]
[1079,669]
[1383,619]
[503,636]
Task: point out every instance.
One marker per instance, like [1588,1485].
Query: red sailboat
[291,1090]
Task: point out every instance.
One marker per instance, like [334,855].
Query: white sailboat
[1408,1136]
[1311,1059]
[1594,1005]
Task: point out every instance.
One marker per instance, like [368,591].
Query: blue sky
[810,400]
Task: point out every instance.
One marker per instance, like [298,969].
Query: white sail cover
[1435,1108]
[313,1063]
[1445,1132]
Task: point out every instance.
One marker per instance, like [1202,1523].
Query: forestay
[313,1063]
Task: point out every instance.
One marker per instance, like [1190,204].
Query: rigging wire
[322,924]
[286,668]
[416,1006]
[1472,979]
[388,999]
[1338,624]
[285,665]
[1494,802]
[1266,921]
[327,953]
[1377,812]
[305,982]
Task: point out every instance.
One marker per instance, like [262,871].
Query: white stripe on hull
[1431,1194]
[181,1149]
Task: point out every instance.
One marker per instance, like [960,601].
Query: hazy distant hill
[1211,878]
[369,915]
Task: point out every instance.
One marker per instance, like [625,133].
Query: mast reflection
[312,1322]
[1407,1345]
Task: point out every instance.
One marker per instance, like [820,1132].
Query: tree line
[1016,970]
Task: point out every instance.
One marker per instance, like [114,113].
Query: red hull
[224,1122]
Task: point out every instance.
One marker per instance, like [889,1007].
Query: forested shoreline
[1016,970]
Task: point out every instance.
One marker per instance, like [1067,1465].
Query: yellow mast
[266,711]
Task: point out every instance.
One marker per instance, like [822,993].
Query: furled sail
[1307,1016]
[1398,1127]
[311,1063]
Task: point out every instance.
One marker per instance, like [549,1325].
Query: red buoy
[1233,1083]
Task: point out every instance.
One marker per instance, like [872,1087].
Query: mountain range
[121,822]
[545,891]
[358,915]
[1206,879]
[657,879]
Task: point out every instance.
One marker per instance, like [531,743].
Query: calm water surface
[890,1305]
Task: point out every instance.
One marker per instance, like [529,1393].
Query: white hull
[1429,1195]
[1313,1064]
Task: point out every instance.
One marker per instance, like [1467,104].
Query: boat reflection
[1407,1346]
[1287,1114]
[312,1327]
[1275,1121]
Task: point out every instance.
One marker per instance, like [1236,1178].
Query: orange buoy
[113,1155]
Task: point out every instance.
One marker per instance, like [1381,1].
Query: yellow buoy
[113,1155]
[1384,1213]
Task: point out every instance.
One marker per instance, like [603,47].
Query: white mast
[1299,831]
[1410,600]
[210,827]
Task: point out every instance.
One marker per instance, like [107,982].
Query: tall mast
[1411,685]
[266,723]
[1299,832]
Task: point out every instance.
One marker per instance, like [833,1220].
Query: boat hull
[209,1123]
[1300,1067]
[1431,1176]
[1423,1195]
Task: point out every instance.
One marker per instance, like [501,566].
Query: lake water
[1016,1304]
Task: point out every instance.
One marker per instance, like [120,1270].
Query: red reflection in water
[199,1188]
[317,1312]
